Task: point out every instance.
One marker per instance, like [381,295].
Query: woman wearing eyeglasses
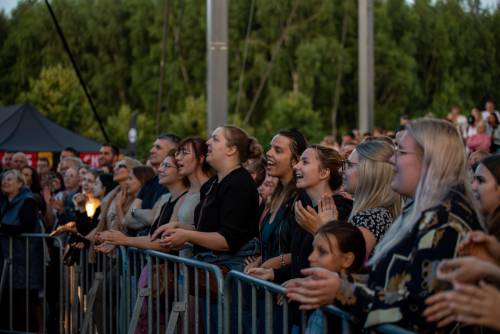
[367,175]
[167,204]
[430,168]
[191,161]
[226,218]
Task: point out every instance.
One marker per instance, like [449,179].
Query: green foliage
[191,122]
[300,69]
[58,95]
[291,110]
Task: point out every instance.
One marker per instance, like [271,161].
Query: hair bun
[255,150]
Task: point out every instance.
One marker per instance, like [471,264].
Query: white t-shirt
[485,114]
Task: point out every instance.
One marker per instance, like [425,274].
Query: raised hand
[327,209]
[308,218]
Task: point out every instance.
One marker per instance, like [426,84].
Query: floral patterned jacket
[399,284]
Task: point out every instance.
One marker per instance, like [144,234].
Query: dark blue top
[151,192]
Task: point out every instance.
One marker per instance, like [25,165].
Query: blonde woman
[430,168]
[367,175]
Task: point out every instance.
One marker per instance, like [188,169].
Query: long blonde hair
[374,178]
[443,168]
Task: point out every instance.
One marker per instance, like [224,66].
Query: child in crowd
[339,247]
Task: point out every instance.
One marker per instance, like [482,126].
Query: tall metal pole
[366,65]
[162,64]
[217,82]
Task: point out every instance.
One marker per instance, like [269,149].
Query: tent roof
[23,128]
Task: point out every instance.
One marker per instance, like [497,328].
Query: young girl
[339,247]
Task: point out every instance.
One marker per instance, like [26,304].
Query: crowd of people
[398,227]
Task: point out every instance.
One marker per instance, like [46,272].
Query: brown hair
[200,149]
[349,239]
[247,147]
[298,145]
[259,168]
[143,173]
[330,159]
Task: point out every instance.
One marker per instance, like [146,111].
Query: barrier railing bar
[392,329]
[76,301]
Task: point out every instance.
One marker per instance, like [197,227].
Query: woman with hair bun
[226,218]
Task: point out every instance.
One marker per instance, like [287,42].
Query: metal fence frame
[116,279]
[8,269]
[271,288]
[171,273]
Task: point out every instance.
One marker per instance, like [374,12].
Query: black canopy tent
[23,128]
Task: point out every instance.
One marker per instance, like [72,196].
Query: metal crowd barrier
[269,293]
[170,294]
[33,284]
[392,329]
[131,290]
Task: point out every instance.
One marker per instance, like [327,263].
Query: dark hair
[259,168]
[169,136]
[350,134]
[94,172]
[107,182]
[247,147]
[399,129]
[200,149]
[471,120]
[330,159]
[143,173]
[114,149]
[299,142]
[349,238]
[494,115]
[298,145]
[43,159]
[72,150]
[492,163]
[36,185]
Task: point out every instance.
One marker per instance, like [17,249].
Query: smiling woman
[486,189]
[438,217]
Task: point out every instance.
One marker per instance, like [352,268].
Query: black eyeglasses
[346,164]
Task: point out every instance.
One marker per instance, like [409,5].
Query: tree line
[292,63]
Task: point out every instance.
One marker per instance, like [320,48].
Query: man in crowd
[108,156]
[152,190]
[7,160]
[69,162]
[489,109]
[43,167]
[459,120]
[68,152]
[19,161]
